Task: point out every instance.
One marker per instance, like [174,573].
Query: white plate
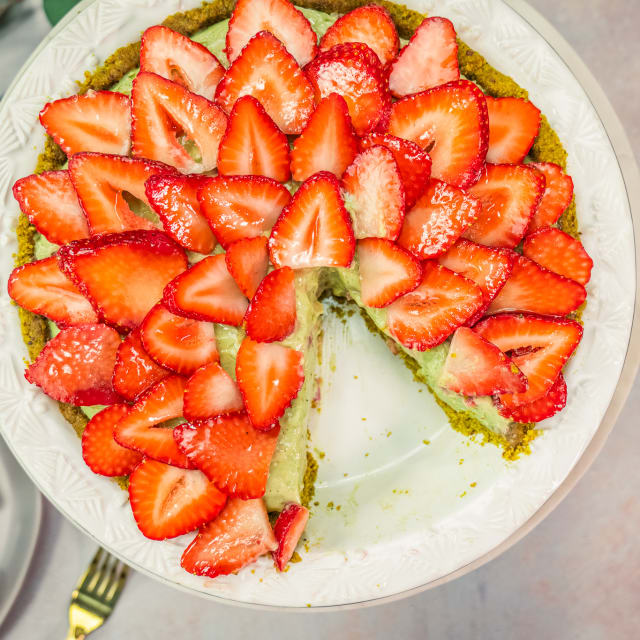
[409,516]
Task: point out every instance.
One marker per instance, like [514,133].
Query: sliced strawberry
[135,371]
[175,200]
[509,195]
[231,453]
[100,451]
[176,57]
[554,401]
[253,144]
[428,315]
[476,367]
[248,261]
[327,143]
[95,121]
[513,126]
[314,229]
[166,116]
[236,538]
[557,251]
[76,366]
[211,392]
[437,220]
[280,18]
[386,271]
[268,72]
[123,274]
[180,344]
[369,24]
[207,291]
[269,376]
[428,60]
[450,122]
[240,207]
[375,194]
[288,530]
[51,204]
[414,164]
[168,502]
[40,287]
[558,193]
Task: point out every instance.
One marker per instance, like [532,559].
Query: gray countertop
[577,575]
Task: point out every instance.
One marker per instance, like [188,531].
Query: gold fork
[96,594]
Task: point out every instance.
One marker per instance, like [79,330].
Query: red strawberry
[236,538]
[248,261]
[175,200]
[288,529]
[375,194]
[327,143]
[513,126]
[76,366]
[314,229]
[178,58]
[207,292]
[268,72]
[557,251]
[51,204]
[428,315]
[449,122]
[428,60]
[165,115]
[168,502]
[413,163]
[509,195]
[211,392]
[269,376]
[558,193]
[370,24]
[437,220]
[123,274]
[231,453]
[180,344]
[95,121]
[541,409]
[476,367]
[386,271]
[135,371]
[100,451]
[537,290]
[40,287]
[253,144]
[280,18]
[240,207]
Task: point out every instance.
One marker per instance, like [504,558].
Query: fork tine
[108,576]
[90,573]
[116,587]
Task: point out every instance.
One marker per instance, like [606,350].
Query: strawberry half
[557,196]
[100,451]
[288,530]
[176,57]
[269,376]
[437,220]
[253,144]
[314,229]
[236,538]
[428,315]
[168,502]
[211,392]
[123,274]
[50,202]
[268,72]
[95,121]
[231,453]
[428,60]
[509,195]
[76,366]
[247,262]
[386,271]
[450,122]
[327,143]
[551,403]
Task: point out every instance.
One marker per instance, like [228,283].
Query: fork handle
[71,635]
